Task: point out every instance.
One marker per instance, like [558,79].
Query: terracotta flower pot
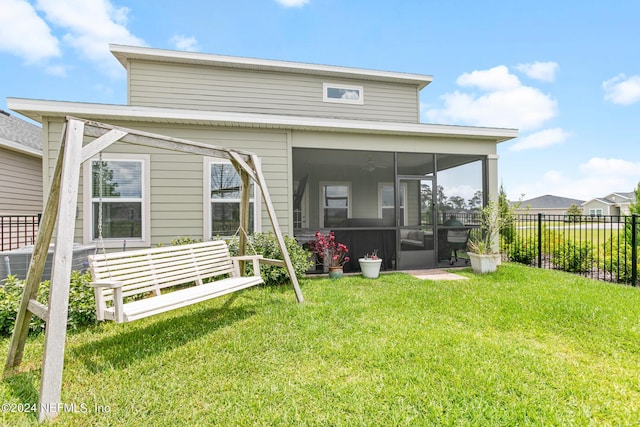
[335,272]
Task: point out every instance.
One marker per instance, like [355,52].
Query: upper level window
[342,93]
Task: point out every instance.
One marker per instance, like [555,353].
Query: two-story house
[341,149]
[612,204]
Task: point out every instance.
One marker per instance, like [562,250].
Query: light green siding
[177,180]
[190,86]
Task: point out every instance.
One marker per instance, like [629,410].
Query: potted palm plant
[483,249]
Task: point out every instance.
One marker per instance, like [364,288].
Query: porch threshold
[434,274]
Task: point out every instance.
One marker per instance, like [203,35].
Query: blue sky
[566,74]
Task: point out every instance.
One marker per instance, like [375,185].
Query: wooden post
[55,336]
[261,182]
[244,214]
[37,264]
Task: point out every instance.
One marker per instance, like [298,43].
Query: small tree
[507,220]
[634,209]
[574,212]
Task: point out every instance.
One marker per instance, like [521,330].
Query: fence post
[539,240]
[634,249]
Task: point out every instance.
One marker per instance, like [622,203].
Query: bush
[266,245]
[523,249]
[573,256]
[81,303]
[617,258]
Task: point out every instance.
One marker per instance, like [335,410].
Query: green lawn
[519,347]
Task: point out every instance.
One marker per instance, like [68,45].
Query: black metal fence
[18,230]
[599,247]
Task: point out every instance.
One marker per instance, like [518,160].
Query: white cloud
[597,177]
[91,26]
[602,166]
[25,34]
[622,90]
[465,191]
[541,139]
[56,70]
[505,103]
[180,42]
[544,71]
[493,79]
[292,3]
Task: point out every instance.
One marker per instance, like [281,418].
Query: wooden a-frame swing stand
[60,209]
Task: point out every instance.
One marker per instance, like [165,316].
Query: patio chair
[457,240]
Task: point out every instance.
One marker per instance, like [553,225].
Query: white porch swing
[60,209]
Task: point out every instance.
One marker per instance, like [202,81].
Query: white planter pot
[370,267]
[484,263]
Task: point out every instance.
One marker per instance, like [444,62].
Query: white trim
[403,188]
[87,214]
[336,183]
[327,98]
[37,109]
[16,146]
[125,53]
[206,197]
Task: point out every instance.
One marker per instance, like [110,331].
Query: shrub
[617,258]
[81,303]
[184,240]
[523,249]
[573,256]
[266,245]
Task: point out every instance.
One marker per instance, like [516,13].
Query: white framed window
[595,212]
[346,94]
[222,197]
[386,203]
[125,200]
[335,203]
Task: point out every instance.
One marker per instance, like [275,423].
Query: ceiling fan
[372,166]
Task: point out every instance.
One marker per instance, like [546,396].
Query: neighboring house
[547,204]
[341,149]
[20,180]
[20,166]
[612,204]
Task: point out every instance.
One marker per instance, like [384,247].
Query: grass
[518,347]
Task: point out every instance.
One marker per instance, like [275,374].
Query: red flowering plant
[333,253]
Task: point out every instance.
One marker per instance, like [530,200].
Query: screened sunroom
[400,204]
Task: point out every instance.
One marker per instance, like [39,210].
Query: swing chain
[240,228]
[100,197]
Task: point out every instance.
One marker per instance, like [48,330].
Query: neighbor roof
[549,201]
[124,53]
[20,135]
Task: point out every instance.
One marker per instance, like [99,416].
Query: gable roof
[630,197]
[125,53]
[20,135]
[549,201]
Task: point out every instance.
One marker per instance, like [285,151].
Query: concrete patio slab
[435,274]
